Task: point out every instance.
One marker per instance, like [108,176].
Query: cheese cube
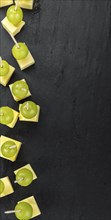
[34,119]
[15,98]
[4,3]
[3,139]
[5,79]
[26,62]
[8,187]
[31,200]
[28,166]
[27,4]
[10,28]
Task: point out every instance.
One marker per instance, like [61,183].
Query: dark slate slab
[70,147]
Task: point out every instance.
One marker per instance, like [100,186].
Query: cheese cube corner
[8,187]
[10,28]
[4,3]
[26,4]
[26,62]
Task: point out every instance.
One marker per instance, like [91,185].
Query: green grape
[26,211]
[29,109]
[20,89]
[21,52]
[14,16]
[24,177]
[6,115]
[4,69]
[2,186]
[9,149]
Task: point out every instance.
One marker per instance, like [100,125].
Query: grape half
[4,69]
[29,109]
[27,176]
[6,115]
[9,149]
[20,89]
[26,211]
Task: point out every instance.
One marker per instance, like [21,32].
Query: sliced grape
[26,211]
[24,177]
[9,149]
[4,69]
[29,109]
[20,89]
[6,115]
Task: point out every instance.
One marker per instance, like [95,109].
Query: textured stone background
[70,147]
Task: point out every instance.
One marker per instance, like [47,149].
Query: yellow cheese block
[10,28]
[16,115]
[26,62]
[27,4]
[34,119]
[8,187]
[28,166]
[15,98]
[5,79]
[3,139]
[4,3]
[31,200]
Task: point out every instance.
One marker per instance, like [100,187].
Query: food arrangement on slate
[28,111]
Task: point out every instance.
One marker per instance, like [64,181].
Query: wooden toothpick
[12,147]
[16,4]
[13,38]
[17,181]
[1,62]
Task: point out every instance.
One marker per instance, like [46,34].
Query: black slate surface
[70,147]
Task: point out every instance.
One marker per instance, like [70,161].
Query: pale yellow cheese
[34,119]
[10,28]
[31,200]
[8,187]
[27,4]
[5,79]
[16,115]
[15,98]
[4,3]
[26,62]
[28,166]
[3,139]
